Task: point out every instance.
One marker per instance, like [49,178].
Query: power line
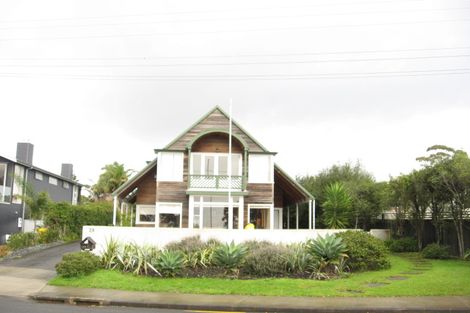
[234,18]
[233,63]
[246,77]
[236,30]
[347,3]
[243,55]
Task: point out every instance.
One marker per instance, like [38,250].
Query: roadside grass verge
[443,278]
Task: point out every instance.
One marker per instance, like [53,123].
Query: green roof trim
[305,191]
[217,130]
[135,177]
[204,117]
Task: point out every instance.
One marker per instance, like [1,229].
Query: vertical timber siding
[258,194]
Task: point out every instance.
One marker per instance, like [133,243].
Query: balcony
[215,182]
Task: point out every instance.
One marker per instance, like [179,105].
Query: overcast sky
[319,82]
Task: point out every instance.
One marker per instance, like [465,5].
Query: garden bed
[439,278]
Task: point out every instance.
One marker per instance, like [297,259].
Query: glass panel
[196,164]
[213,217]
[170,220]
[18,184]
[236,170]
[209,165]
[260,218]
[196,217]
[147,218]
[223,165]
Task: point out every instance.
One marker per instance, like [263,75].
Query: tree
[398,200]
[419,199]
[336,205]
[112,178]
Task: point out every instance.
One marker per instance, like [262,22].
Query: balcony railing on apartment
[220,182]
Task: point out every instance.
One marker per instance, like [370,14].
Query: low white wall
[383,234]
[160,237]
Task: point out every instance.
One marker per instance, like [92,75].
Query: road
[22,277]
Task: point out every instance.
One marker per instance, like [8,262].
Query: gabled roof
[296,184]
[136,177]
[35,168]
[216,108]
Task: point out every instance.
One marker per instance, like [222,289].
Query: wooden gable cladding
[258,194]
[216,142]
[215,120]
[147,189]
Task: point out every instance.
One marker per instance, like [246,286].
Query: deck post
[309,214]
[288,217]
[313,214]
[297,216]
[115,204]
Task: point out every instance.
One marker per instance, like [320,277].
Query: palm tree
[336,205]
[112,178]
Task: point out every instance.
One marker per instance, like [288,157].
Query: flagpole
[230,202]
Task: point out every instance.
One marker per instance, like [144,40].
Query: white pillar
[313,214]
[271,217]
[157,216]
[122,213]
[241,213]
[309,214]
[296,216]
[115,205]
[191,212]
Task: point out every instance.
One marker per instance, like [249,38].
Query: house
[189,185]
[14,174]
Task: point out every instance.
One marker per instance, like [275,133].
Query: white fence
[162,236]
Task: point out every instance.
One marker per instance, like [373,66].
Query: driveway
[21,277]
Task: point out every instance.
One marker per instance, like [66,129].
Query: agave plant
[328,251]
[170,263]
[109,258]
[298,260]
[230,256]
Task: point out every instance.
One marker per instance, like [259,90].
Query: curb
[238,307]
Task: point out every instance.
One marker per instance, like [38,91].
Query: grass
[445,278]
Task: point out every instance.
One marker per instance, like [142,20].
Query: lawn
[440,277]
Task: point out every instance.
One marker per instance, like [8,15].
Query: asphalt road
[22,305]
[27,275]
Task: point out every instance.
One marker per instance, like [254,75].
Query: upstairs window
[170,166]
[38,175]
[66,185]
[261,169]
[53,181]
[215,164]
[4,189]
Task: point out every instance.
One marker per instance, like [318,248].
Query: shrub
[22,240]
[406,244]
[365,252]
[328,251]
[69,219]
[77,264]
[47,235]
[186,245]
[467,254]
[435,251]
[170,263]
[4,250]
[298,260]
[229,256]
[266,260]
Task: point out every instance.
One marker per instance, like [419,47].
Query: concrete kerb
[250,304]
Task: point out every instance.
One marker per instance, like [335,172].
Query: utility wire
[233,63]
[330,4]
[240,55]
[458,71]
[225,19]
[236,30]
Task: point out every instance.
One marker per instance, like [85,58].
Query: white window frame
[74,195]
[216,162]
[66,185]
[53,181]
[268,206]
[138,207]
[236,205]
[2,198]
[178,210]
[38,176]
[252,179]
